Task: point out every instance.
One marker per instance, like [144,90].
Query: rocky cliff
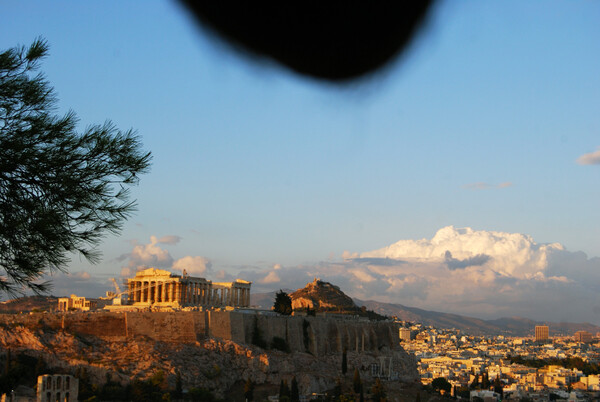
[320,295]
[136,346]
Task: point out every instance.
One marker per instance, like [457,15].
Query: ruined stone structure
[75,303]
[57,387]
[160,288]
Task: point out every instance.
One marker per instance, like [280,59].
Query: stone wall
[178,327]
[321,335]
[316,335]
[107,325]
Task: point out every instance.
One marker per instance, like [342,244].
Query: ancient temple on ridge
[159,288]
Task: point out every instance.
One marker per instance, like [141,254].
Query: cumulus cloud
[347,255]
[383,262]
[148,255]
[592,158]
[512,254]
[193,265]
[485,274]
[271,277]
[454,263]
[153,255]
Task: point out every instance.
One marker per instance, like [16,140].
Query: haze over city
[464,178]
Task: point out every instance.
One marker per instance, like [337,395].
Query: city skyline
[464,177]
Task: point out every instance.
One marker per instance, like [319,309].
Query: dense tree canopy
[283,303]
[60,191]
[441,384]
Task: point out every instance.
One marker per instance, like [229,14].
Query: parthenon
[160,288]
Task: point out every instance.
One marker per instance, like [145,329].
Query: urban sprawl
[509,368]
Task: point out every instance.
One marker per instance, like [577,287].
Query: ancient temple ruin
[160,288]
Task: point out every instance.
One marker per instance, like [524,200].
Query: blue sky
[478,125]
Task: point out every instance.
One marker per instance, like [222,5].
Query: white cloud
[271,277]
[481,273]
[347,255]
[592,158]
[152,255]
[512,254]
[193,265]
[362,275]
[149,255]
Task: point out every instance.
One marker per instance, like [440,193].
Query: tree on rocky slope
[61,191]
[283,303]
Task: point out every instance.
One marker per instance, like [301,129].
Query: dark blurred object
[331,40]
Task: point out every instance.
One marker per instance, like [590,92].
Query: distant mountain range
[511,326]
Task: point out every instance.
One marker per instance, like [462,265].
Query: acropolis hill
[134,344]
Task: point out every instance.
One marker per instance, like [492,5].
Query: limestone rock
[210,363]
[321,295]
